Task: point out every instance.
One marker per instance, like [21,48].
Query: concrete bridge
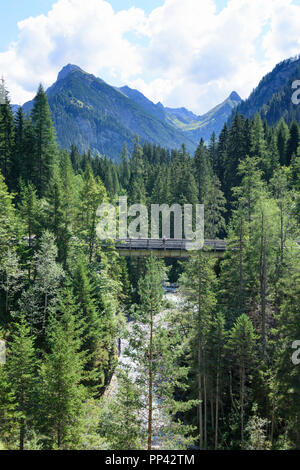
[169,248]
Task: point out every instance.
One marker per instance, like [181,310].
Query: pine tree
[198,286]
[21,365]
[38,300]
[9,225]
[241,345]
[30,211]
[125,167]
[222,155]
[19,149]
[6,140]
[288,332]
[62,372]
[46,149]
[11,282]
[236,151]
[203,170]
[258,147]
[283,135]
[92,194]
[69,201]
[154,351]
[121,423]
[236,268]
[234,273]
[293,142]
[29,163]
[8,411]
[216,360]
[213,151]
[214,205]
[92,343]
[262,255]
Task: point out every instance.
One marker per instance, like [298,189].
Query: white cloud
[87,33]
[206,54]
[183,54]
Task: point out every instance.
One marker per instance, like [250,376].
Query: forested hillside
[272,97]
[212,370]
[95,116]
[89,113]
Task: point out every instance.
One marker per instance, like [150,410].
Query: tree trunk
[205,409]
[242,402]
[217,412]
[150,381]
[263,287]
[241,274]
[200,417]
[22,434]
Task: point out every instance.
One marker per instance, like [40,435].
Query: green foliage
[62,372]
[121,423]
[45,149]
[21,366]
[195,367]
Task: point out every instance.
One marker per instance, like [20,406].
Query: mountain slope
[192,125]
[93,115]
[203,126]
[272,98]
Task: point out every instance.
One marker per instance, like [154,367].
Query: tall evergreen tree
[198,286]
[6,139]
[62,372]
[21,365]
[283,135]
[203,170]
[92,194]
[293,142]
[242,348]
[46,149]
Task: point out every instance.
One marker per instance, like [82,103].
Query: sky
[189,53]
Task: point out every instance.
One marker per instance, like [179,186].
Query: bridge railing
[168,244]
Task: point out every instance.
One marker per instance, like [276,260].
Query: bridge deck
[174,248]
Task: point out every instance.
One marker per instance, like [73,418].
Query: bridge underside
[165,253]
[171,248]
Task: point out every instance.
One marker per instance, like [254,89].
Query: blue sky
[183,53]
[20,9]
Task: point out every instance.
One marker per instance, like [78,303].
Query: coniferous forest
[97,355]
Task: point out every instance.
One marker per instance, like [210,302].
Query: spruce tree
[154,350]
[18,156]
[92,194]
[283,136]
[8,412]
[62,372]
[10,229]
[46,148]
[38,300]
[121,421]
[293,142]
[241,344]
[203,170]
[198,283]
[93,341]
[21,366]
[214,206]
[7,130]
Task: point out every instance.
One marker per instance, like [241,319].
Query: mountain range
[272,98]
[91,114]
